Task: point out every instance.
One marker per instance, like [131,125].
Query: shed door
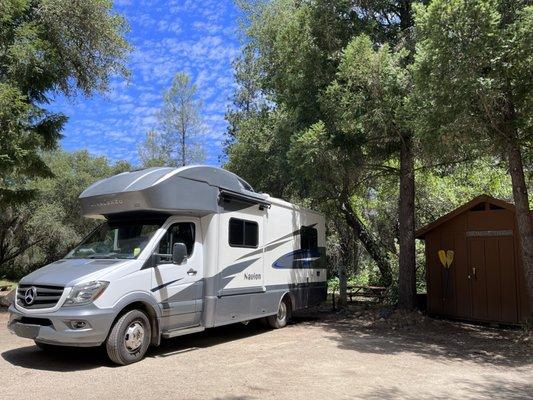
[493,278]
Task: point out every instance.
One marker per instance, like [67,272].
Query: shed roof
[420,234]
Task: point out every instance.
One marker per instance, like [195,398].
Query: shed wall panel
[449,277]
[493,278]
[462,284]
[489,220]
[508,283]
[434,275]
[476,249]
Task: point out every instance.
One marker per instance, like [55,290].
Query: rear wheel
[129,338]
[280,319]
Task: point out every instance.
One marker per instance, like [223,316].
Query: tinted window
[243,233]
[236,232]
[183,232]
[308,238]
[250,234]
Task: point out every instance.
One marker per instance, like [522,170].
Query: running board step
[181,332]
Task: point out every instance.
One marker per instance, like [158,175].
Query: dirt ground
[325,355]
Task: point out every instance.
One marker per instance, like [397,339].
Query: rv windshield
[116,240]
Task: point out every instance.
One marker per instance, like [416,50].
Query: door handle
[192,272]
[474,273]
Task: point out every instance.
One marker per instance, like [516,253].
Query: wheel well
[152,316]
[287,297]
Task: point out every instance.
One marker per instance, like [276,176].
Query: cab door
[179,288]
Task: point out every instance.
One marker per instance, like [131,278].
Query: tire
[129,338]
[283,316]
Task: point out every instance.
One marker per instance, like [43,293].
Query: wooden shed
[478,274]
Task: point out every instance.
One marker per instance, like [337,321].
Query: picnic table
[377,292]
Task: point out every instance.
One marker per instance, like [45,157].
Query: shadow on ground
[427,337]
[61,360]
[208,338]
[65,359]
[493,388]
[353,331]
[235,398]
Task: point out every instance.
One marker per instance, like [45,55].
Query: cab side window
[182,232]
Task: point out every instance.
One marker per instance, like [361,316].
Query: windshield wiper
[102,256]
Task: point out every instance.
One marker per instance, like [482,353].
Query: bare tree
[181,124]
[152,152]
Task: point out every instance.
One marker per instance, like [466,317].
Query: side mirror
[179,253]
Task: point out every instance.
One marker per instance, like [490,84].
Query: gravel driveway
[329,357]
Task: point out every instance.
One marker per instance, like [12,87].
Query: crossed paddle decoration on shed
[446,259]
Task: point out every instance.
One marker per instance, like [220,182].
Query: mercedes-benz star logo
[29,295]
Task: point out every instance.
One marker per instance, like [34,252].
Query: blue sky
[199,37]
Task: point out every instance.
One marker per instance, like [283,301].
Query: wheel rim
[134,336]
[282,311]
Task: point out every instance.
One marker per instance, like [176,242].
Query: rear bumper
[55,328]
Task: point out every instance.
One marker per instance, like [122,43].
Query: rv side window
[183,232]
[308,238]
[243,233]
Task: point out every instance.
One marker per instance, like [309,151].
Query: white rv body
[250,252]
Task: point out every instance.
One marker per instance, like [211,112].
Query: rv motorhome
[179,250]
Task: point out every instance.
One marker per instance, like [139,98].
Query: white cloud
[177,35]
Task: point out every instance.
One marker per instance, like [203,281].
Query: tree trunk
[183,160]
[343,285]
[407,266]
[346,259]
[376,252]
[523,216]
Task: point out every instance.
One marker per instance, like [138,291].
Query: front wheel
[129,338]
[280,319]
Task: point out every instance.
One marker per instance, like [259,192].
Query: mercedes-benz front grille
[38,296]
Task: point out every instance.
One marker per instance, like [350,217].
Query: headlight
[85,293]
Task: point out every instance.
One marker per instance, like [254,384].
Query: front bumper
[55,327]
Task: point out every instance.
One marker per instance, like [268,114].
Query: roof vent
[479,207]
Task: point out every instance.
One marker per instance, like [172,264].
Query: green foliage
[367,100]
[25,130]
[60,45]
[291,59]
[439,193]
[291,56]
[474,91]
[262,136]
[8,284]
[473,67]
[364,111]
[328,91]
[320,163]
[46,47]
[296,111]
[44,229]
